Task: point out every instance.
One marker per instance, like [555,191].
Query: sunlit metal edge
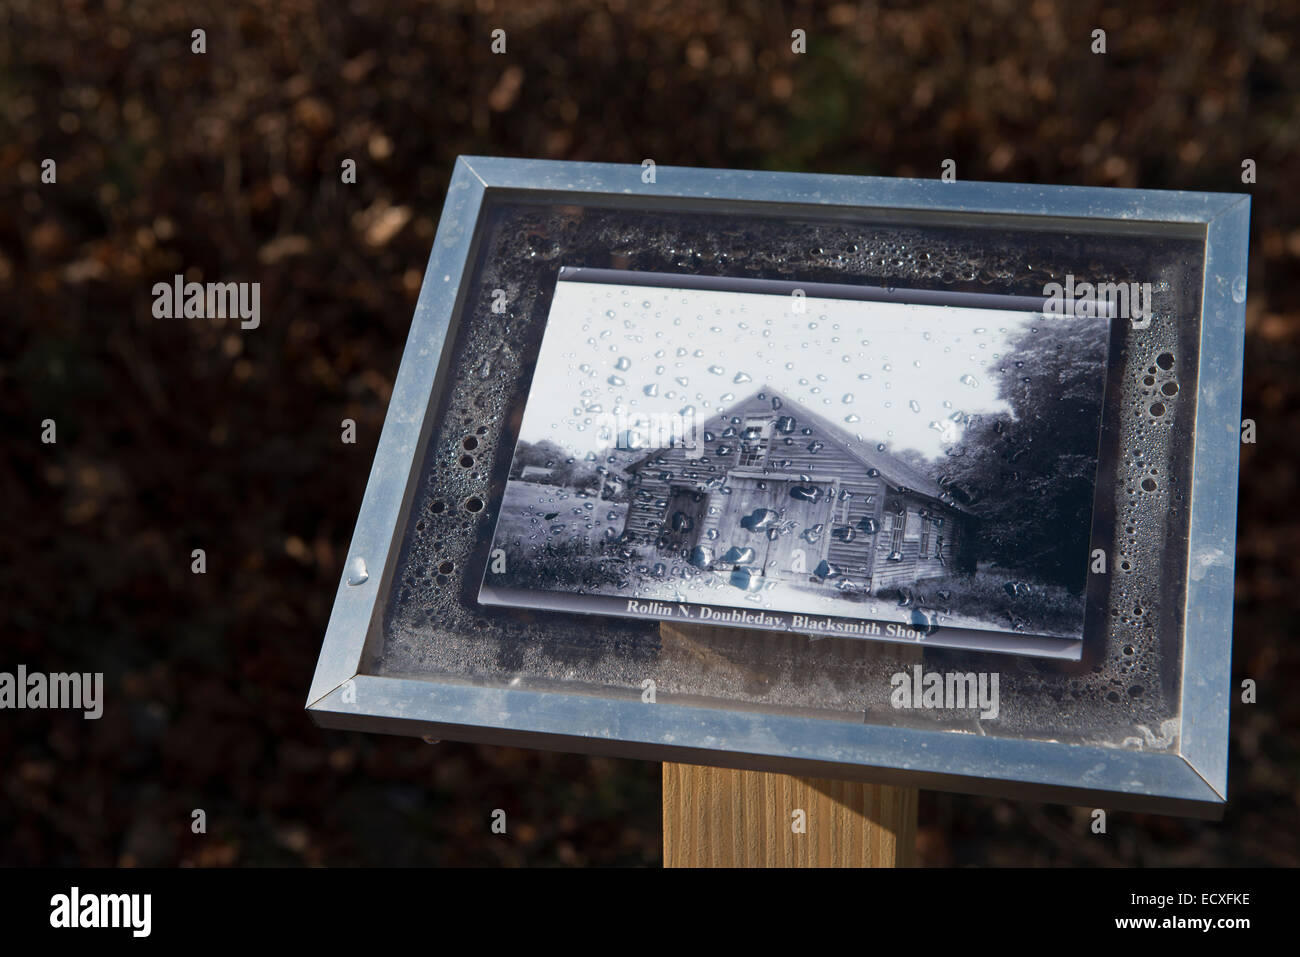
[392,474]
[1114,778]
[1207,630]
[1084,202]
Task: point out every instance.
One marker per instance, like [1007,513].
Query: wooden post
[717,817]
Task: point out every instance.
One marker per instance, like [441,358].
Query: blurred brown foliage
[174,435]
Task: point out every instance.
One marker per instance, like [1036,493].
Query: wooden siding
[855,558]
[669,478]
[913,566]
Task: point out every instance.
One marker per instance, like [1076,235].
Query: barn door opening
[805,509]
[770,524]
[683,517]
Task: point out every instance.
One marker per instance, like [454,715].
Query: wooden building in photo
[768,489]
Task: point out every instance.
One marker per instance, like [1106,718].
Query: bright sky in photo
[888,372]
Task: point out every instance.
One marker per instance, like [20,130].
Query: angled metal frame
[1191,781]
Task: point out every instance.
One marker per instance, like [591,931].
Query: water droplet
[747,579]
[925,622]
[758,520]
[702,557]
[826,570]
[737,554]
[357,573]
[806,493]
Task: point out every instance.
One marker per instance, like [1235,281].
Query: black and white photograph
[735,455]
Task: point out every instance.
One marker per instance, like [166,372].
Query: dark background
[183,434]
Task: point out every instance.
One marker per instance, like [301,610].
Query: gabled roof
[893,470]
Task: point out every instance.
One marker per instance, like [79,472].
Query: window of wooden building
[900,526]
[755,438]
